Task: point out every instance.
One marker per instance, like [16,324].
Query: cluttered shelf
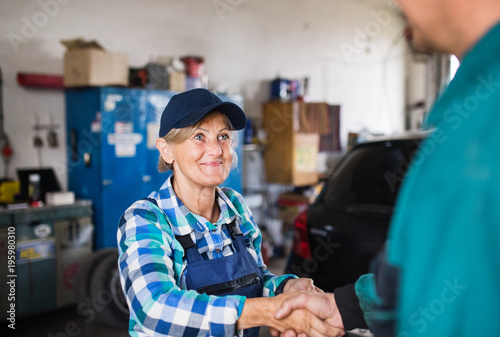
[24,207]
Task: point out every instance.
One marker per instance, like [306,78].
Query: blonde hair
[177,136]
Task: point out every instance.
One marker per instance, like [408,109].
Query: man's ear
[165,150]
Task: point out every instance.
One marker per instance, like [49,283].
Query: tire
[84,274]
[108,300]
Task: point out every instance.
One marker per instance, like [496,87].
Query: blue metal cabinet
[155,103]
[112,156]
[234,180]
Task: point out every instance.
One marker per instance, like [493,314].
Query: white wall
[352,56]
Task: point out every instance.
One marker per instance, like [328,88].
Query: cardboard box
[305,159]
[88,64]
[176,81]
[290,157]
[60,198]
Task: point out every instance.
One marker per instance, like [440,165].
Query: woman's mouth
[212,163]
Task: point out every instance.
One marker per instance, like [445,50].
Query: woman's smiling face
[206,157]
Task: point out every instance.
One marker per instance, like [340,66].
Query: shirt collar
[183,221]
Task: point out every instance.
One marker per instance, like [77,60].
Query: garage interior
[315,78]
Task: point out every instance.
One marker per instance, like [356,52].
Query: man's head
[449,26]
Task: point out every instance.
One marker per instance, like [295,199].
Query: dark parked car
[338,235]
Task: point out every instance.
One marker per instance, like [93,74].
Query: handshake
[302,310]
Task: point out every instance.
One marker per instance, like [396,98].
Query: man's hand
[321,305]
[260,312]
[295,306]
[299,284]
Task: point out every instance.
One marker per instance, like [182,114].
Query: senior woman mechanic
[190,258]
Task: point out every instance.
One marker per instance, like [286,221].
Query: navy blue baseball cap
[189,107]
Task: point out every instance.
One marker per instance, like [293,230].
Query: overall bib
[236,274]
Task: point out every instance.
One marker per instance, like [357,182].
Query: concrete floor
[67,323]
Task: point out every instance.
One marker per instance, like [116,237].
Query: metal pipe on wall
[5,148]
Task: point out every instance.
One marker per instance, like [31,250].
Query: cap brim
[233,112]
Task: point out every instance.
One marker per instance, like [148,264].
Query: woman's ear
[165,150]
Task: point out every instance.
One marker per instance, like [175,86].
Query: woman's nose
[214,148]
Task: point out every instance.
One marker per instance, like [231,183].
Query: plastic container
[194,66]
[194,82]
[34,192]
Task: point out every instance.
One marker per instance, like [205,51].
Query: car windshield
[371,174]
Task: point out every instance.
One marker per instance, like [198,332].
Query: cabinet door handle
[74,144]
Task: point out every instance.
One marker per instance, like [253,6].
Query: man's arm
[352,306]
[348,307]
[378,294]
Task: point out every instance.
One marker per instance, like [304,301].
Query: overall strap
[236,236]
[185,240]
[234,229]
[192,251]
[190,248]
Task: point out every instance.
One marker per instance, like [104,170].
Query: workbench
[50,242]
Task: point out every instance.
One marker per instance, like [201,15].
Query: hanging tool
[52,134]
[5,147]
[37,140]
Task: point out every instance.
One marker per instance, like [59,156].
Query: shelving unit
[255,182]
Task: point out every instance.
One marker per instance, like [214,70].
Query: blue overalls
[236,274]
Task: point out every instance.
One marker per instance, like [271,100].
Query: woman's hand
[322,305]
[300,319]
[299,284]
[260,312]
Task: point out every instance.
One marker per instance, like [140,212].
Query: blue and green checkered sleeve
[150,265]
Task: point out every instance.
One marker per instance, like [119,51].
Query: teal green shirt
[445,233]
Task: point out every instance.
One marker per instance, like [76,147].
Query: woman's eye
[224,137]
[198,137]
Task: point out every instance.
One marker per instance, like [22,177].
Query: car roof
[406,135]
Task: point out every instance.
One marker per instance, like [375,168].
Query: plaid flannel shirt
[152,265]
